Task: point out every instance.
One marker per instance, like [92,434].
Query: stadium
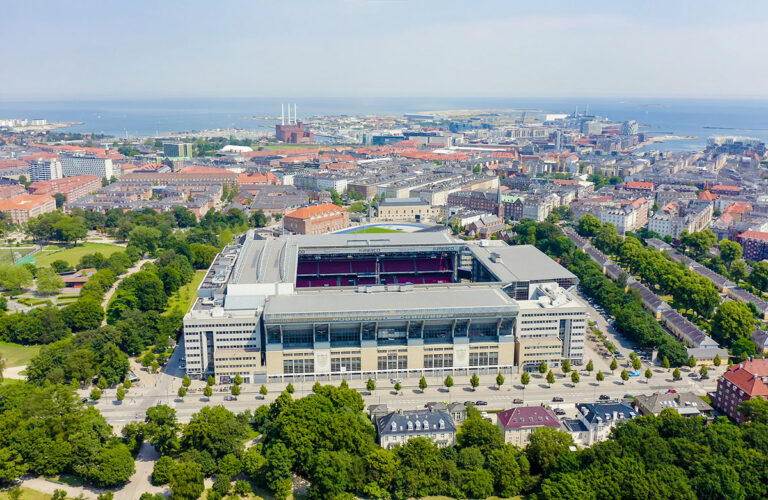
[325,307]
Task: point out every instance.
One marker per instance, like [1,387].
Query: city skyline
[381,49]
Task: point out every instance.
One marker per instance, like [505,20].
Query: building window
[393,362]
[483,358]
[346,364]
[443,360]
[298,366]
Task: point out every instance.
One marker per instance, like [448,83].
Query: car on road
[634,373]
[628,396]
[672,391]
[467,403]
[481,403]
[557,399]
[604,397]
[559,411]
[230,398]
[517,401]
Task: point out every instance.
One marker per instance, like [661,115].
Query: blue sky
[136,49]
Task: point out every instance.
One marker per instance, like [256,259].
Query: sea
[149,117]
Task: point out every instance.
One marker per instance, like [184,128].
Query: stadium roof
[520,263]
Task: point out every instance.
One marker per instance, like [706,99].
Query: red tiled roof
[257,178]
[750,376]
[527,416]
[315,210]
[722,187]
[639,185]
[754,235]
[739,207]
[197,169]
[708,196]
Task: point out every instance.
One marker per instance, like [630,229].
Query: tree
[525,379]
[743,348]
[238,379]
[474,381]
[545,446]
[422,384]
[758,278]
[211,380]
[83,314]
[717,361]
[161,429]
[145,239]
[448,382]
[278,474]
[102,383]
[543,368]
[263,391]
[636,363]
[575,378]
[289,388]
[600,377]
[186,381]
[624,375]
[243,488]
[691,361]
[733,320]
[370,386]
[566,366]
[703,372]
[48,281]
[186,481]
[397,387]
[208,392]
[755,410]
[235,390]
[182,392]
[614,365]
[665,363]
[15,278]
[730,251]
[120,394]
[590,366]
[499,380]
[676,374]
[222,484]
[127,384]
[648,374]
[739,271]
[162,470]
[588,226]
[480,433]
[95,394]
[550,378]
[147,288]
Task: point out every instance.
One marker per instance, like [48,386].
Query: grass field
[186,295]
[72,255]
[375,230]
[17,355]
[27,494]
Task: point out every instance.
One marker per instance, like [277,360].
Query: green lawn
[185,296]
[72,255]
[375,230]
[27,494]
[17,355]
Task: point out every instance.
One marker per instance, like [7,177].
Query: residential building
[73,188]
[686,404]
[44,169]
[25,207]
[674,218]
[86,164]
[754,244]
[741,382]
[275,199]
[10,189]
[316,219]
[399,427]
[407,209]
[599,418]
[485,227]
[177,149]
[518,423]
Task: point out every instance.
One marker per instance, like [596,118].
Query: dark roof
[575,425]
[717,279]
[528,416]
[681,326]
[650,299]
[602,412]
[745,296]
[398,422]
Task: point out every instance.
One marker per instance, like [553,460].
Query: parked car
[557,399]
[628,396]
[481,403]
[467,403]
[672,391]
[517,401]
[634,373]
[559,411]
[603,397]
[230,398]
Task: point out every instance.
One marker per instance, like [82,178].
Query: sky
[95,49]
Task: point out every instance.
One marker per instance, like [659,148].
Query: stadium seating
[305,268]
[302,283]
[398,266]
[364,266]
[334,267]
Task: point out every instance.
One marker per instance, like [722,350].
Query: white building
[72,165]
[595,421]
[44,170]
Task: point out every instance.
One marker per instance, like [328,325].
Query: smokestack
[289,114]
[282,113]
[295,115]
